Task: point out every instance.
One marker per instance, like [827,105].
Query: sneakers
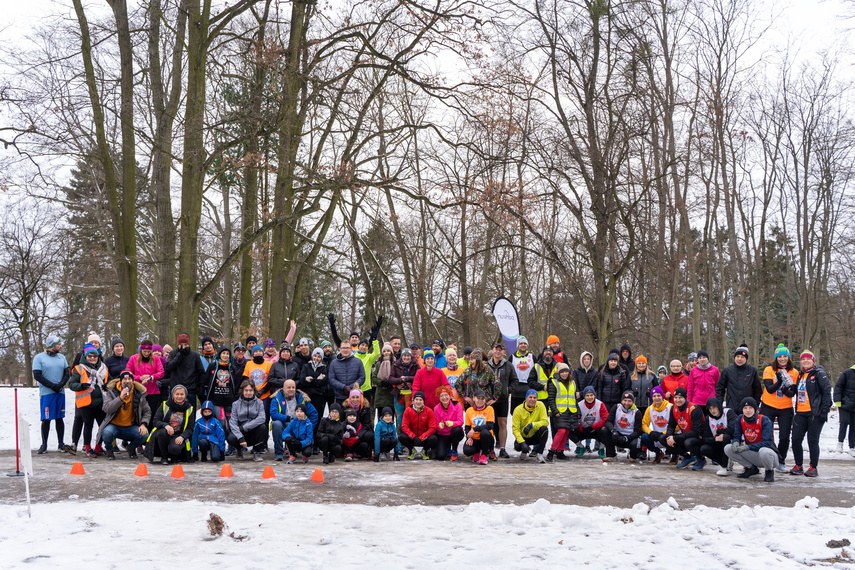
[290,460]
[395,456]
[673,460]
[424,455]
[852,451]
[256,456]
[770,476]
[483,460]
[523,456]
[699,464]
[602,453]
[476,458]
[453,455]
[811,472]
[658,459]
[580,451]
[560,456]
[504,454]
[99,451]
[240,452]
[326,458]
[278,457]
[305,459]
[781,468]
[722,472]
[633,460]
[132,454]
[749,471]
[493,456]
[412,454]
[42,449]
[230,451]
[89,452]
[386,456]
[797,470]
[72,449]
[350,457]
[540,458]
[110,455]
[686,462]
[839,448]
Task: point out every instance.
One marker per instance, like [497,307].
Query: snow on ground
[28,405]
[479,535]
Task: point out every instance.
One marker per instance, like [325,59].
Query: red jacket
[428,382]
[419,424]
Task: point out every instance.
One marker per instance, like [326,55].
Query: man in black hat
[753,443]
[738,381]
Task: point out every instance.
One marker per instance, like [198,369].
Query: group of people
[384,402]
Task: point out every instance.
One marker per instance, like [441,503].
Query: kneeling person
[718,431]
[385,436]
[592,423]
[126,414]
[753,443]
[530,426]
[330,434]
[623,427]
[418,428]
[298,435]
[208,435]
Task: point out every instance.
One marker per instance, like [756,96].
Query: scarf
[707,367]
[384,370]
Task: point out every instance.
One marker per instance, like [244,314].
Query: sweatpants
[785,426]
[154,401]
[803,424]
[689,446]
[764,458]
[483,445]
[446,443]
[426,444]
[846,421]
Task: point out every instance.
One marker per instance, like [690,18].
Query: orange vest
[258,373]
[684,418]
[82,398]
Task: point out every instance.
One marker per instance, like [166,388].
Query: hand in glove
[449,423]
[740,447]
[525,448]
[321,376]
[417,441]
[385,384]
[331,319]
[309,378]
[528,428]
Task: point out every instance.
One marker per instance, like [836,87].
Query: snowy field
[305,535]
[28,404]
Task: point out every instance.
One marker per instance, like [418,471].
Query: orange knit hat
[553,340]
[641,358]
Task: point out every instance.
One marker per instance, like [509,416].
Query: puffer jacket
[421,424]
[246,415]
[641,387]
[334,429]
[611,384]
[344,373]
[300,430]
[313,380]
[844,390]
[702,385]
[209,429]
[384,431]
[818,392]
[585,377]
[282,370]
[738,383]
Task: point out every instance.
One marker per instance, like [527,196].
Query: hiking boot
[332,457]
[256,456]
[602,453]
[749,471]
[483,460]
[797,470]
[290,460]
[326,458]
[42,449]
[658,459]
[811,472]
[504,454]
[699,464]
[493,456]
[560,456]
[109,454]
[580,451]
[412,454]
[550,456]
[453,455]
[770,476]
[685,463]
[396,458]
[240,452]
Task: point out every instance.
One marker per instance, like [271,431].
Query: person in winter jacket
[238,363]
[586,373]
[385,436]
[118,361]
[655,423]
[247,424]
[148,371]
[813,402]
[346,372]
[126,413]
[563,409]
[208,435]
[418,428]
[452,373]
[358,438]
[184,368]
[87,379]
[356,401]
[523,363]
[438,349]
[381,371]
[270,354]
[593,414]
[283,410]
[95,340]
[753,445]
[626,361]
[507,379]
[844,401]
[285,368]
[554,343]
[173,429]
[738,380]
[676,379]
[368,352]
[428,380]
[702,381]
[330,434]
[478,427]
[209,354]
[683,436]
[612,382]
[257,371]
[718,432]
[220,386]
[402,376]
[530,427]
[642,381]
[303,352]
[449,424]
[478,377]
[539,376]
[623,428]
[313,380]
[298,434]
[779,387]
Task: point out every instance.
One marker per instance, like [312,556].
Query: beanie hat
[207,339]
[176,387]
[657,390]
[387,411]
[238,346]
[157,348]
[303,340]
[117,340]
[589,390]
[522,340]
[703,353]
[325,343]
[681,392]
[552,339]
[692,356]
[93,337]
[183,338]
[127,374]
[301,407]
[354,333]
[530,392]
[89,348]
[467,350]
[782,351]
[741,349]
[449,353]
[749,401]
[406,351]
[251,338]
[614,351]
[285,346]
[387,346]
[808,354]
[224,349]
[641,358]
[661,369]
[477,354]
[350,412]
[364,341]
[319,352]
[335,407]
[549,348]
[677,362]
[429,354]
[166,348]
[257,348]
[355,392]
[628,394]
[559,368]
[439,342]
[269,342]
[419,394]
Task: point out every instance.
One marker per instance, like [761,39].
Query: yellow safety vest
[565,398]
[187,415]
[542,395]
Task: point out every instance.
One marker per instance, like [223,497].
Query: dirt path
[586,482]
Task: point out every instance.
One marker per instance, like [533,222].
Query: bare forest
[647,172]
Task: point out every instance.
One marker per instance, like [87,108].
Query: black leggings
[363,446]
[803,424]
[154,401]
[538,439]
[164,442]
[84,420]
[484,445]
[785,425]
[295,446]
[60,431]
[715,451]
[329,444]
[446,443]
[846,421]
[425,444]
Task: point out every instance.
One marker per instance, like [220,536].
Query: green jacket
[368,359]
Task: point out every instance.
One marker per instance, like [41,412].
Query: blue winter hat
[257,348]
[782,351]
[589,390]
[530,393]
[89,348]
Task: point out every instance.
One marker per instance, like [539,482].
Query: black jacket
[697,430]
[709,436]
[628,363]
[844,390]
[331,428]
[316,388]
[611,384]
[185,367]
[506,375]
[115,364]
[283,370]
[301,360]
[642,386]
[585,378]
[236,370]
[534,375]
[161,419]
[818,390]
[738,382]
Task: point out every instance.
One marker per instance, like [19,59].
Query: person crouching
[173,428]
[753,443]
[298,435]
[385,436]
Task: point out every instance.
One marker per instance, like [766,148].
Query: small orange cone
[317,476]
[177,472]
[77,469]
[268,473]
[142,470]
[226,471]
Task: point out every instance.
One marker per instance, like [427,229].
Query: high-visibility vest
[542,395]
[187,415]
[683,418]
[565,398]
[84,397]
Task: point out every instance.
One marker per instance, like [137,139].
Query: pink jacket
[702,385]
[154,368]
[453,414]
[428,382]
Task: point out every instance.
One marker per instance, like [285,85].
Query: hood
[622,348]
[713,402]
[207,405]
[581,356]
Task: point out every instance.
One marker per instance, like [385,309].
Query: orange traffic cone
[268,473]
[77,469]
[177,472]
[142,470]
[226,471]
[317,476]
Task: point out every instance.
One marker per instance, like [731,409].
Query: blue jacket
[299,429]
[439,361]
[767,434]
[278,406]
[210,429]
[384,431]
[344,373]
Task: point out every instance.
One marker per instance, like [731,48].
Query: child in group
[298,435]
[355,445]
[385,436]
[208,435]
[330,433]
[478,426]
